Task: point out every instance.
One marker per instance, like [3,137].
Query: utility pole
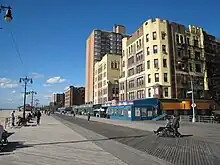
[25,80]
[32,98]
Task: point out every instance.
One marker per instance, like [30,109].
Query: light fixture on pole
[26,80]
[8,14]
[193,105]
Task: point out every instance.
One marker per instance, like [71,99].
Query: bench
[3,138]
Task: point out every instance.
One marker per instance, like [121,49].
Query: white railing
[6,121]
[199,118]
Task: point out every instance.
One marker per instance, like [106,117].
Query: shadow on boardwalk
[92,140]
[12,146]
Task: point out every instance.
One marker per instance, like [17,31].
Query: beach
[6,113]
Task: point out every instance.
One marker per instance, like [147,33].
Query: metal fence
[6,121]
[199,118]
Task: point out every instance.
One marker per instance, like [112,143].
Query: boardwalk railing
[199,118]
[6,121]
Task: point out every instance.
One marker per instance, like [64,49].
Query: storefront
[145,109]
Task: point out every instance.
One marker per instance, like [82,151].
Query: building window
[104,74]
[197,55]
[131,61]
[155,49]
[131,95]
[104,66]
[165,77]
[190,67]
[156,77]
[122,97]
[104,82]
[188,41]
[140,43]
[164,50]
[148,64]
[147,37]
[165,63]
[181,39]
[122,86]
[131,84]
[148,50]
[139,68]
[148,78]
[123,52]
[149,92]
[155,63]
[123,63]
[165,92]
[140,94]
[163,35]
[196,43]
[140,81]
[154,35]
[198,68]
[177,38]
[139,56]
[131,72]
[189,53]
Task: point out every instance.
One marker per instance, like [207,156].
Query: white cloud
[55,80]
[46,85]
[37,75]
[13,91]
[7,83]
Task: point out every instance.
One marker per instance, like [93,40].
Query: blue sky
[51,36]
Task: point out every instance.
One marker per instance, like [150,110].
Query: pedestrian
[38,117]
[12,116]
[176,125]
[89,116]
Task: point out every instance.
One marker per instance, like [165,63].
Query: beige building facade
[106,76]
[98,44]
[145,62]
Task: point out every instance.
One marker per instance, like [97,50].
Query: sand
[5,114]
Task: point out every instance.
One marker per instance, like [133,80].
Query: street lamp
[32,98]
[193,105]
[8,14]
[26,80]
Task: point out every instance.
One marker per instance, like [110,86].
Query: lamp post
[193,101]
[193,105]
[26,80]
[32,98]
[8,15]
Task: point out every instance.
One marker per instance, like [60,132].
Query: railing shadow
[88,140]
[12,146]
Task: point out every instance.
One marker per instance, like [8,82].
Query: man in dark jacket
[38,117]
[176,125]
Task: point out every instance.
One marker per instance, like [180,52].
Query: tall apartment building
[107,72]
[74,96]
[145,63]
[98,44]
[212,56]
[59,99]
[161,59]
[188,61]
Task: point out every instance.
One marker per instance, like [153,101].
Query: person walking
[12,116]
[89,116]
[176,125]
[38,117]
